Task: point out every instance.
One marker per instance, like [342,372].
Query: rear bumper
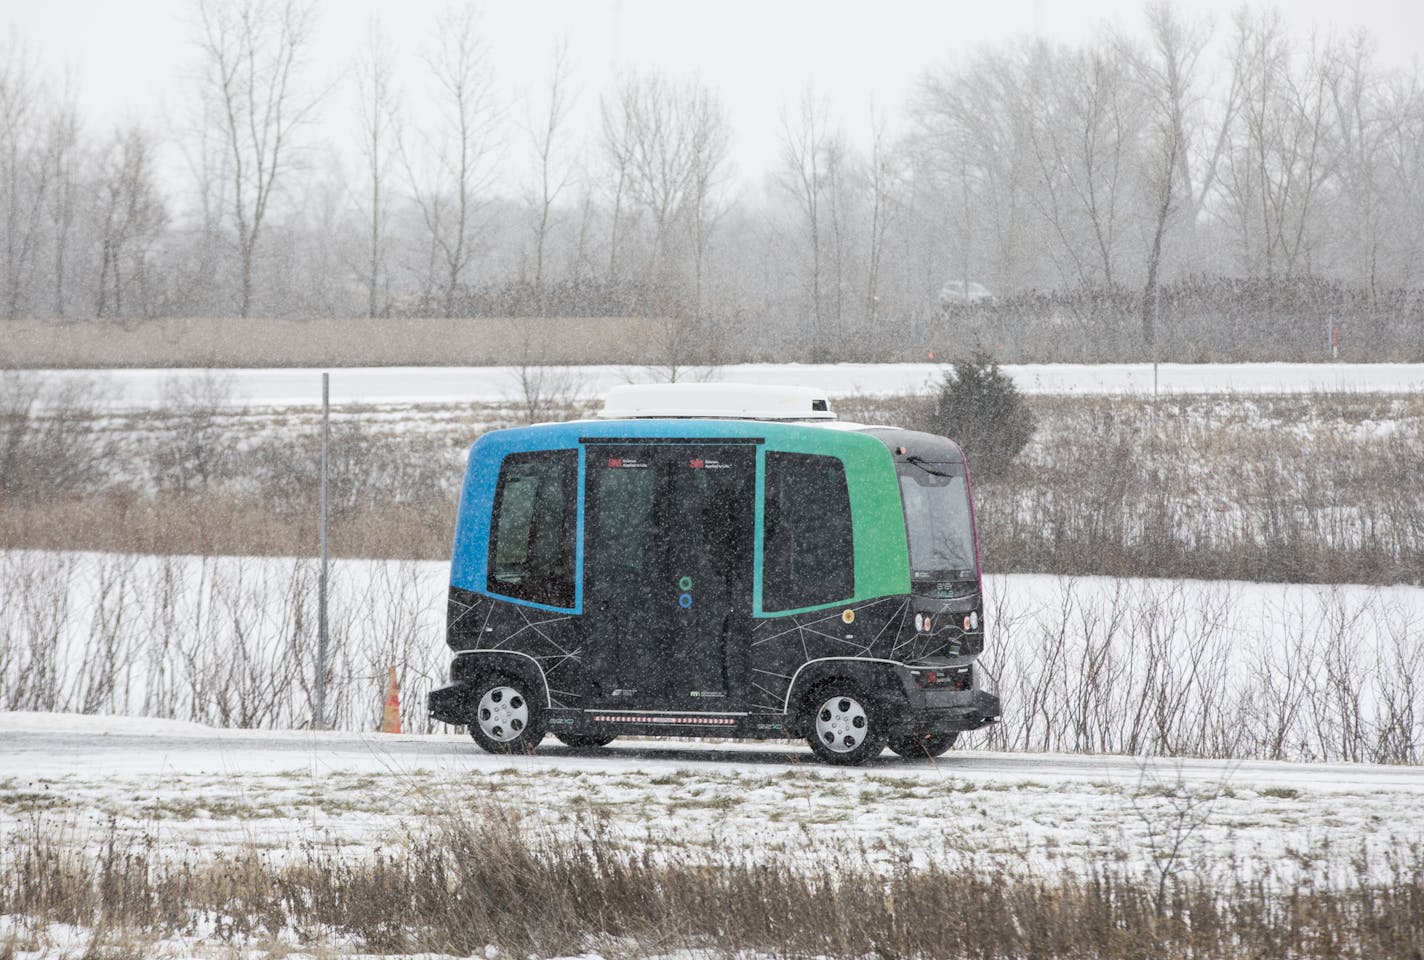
[450,704]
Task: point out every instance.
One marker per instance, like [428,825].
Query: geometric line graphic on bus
[677,570]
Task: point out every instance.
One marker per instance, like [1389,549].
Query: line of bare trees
[225,641]
[1226,670]
[1105,164]
[1087,665]
[1136,159]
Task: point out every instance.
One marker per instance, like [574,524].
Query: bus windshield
[937,519]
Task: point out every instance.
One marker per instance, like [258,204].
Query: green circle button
[685,583]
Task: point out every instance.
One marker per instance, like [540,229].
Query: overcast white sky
[130,59]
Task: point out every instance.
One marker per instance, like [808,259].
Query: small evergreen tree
[979,407]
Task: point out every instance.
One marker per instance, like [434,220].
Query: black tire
[582,741]
[843,725]
[924,746]
[507,716]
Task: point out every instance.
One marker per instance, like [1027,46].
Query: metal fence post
[320,722]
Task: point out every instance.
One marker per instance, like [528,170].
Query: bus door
[668,573]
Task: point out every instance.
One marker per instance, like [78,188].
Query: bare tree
[580,261]
[1052,98]
[1278,157]
[668,142]
[710,138]
[618,152]
[252,52]
[208,159]
[1083,134]
[552,171]
[975,130]
[448,171]
[838,178]
[23,173]
[379,118]
[1404,160]
[63,158]
[881,175]
[130,218]
[1366,124]
[1167,74]
[193,451]
[804,142]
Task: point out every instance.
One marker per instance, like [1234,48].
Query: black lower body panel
[450,704]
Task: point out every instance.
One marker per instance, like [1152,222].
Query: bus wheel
[923,745]
[844,727]
[583,740]
[507,719]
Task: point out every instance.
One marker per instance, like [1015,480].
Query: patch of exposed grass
[31,801]
[716,801]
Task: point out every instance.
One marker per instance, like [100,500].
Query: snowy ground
[192,791]
[421,385]
[201,790]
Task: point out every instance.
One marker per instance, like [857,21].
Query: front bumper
[948,711]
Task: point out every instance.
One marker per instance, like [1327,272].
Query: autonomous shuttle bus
[716,560]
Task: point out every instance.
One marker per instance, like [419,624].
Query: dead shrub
[50,447]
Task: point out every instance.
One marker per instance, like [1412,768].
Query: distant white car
[957,293]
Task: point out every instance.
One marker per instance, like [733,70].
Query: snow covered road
[66,745]
[200,789]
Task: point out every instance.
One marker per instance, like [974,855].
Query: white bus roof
[734,401]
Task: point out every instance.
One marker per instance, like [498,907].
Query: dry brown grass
[1315,488]
[1321,488]
[478,877]
[219,525]
[332,342]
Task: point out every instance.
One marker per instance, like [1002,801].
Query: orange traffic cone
[390,717]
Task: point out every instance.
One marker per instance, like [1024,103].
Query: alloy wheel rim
[503,714]
[841,724]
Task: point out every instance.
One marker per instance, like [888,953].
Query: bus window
[532,543]
[622,530]
[937,519]
[808,551]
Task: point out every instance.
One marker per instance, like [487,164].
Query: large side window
[622,530]
[808,554]
[532,532]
